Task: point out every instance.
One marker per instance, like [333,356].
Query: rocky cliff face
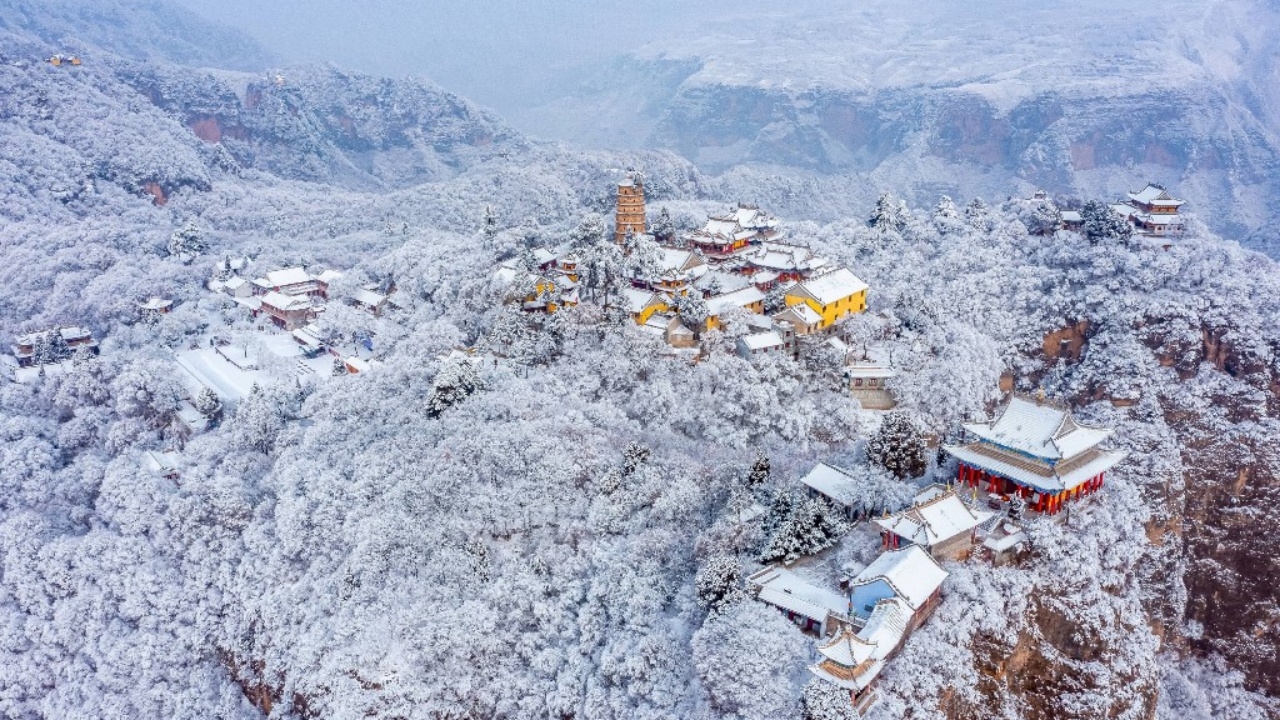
[1199,141]
[321,124]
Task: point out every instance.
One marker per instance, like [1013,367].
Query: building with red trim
[1037,451]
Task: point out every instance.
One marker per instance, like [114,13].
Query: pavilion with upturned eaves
[1037,451]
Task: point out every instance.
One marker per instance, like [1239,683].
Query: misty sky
[487,50]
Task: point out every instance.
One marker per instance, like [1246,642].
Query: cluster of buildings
[290,297]
[731,262]
[1032,454]
[1152,211]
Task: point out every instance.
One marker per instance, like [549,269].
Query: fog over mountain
[329,391]
[1078,98]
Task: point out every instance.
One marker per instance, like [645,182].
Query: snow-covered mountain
[1079,98]
[136,29]
[522,537]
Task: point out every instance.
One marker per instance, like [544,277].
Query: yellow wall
[855,303]
[713,321]
[643,316]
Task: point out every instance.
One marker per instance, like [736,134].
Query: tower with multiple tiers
[630,212]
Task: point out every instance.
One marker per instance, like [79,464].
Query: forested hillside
[519,532]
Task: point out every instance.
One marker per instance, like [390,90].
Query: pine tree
[798,526]
[1099,222]
[208,405]
[1042,217]
[692,310]
[888,214]
[898,447]
[977,214]
[775,301]
[455,382]
[187,242]
[663,229]
[719,583]
[759,472]
[57,347]
[634,457]
[490,228]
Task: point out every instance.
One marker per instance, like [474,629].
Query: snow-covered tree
[208,404]
[897,447]
[455,382]
[797,526]
[759,473]
[749,659]
[888,214]
[825,700]
[1098,223]
[719,583]
[187,242]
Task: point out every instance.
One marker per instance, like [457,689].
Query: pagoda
[629,218]
[1037,451]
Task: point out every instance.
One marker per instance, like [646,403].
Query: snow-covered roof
[855,659]
[726,282]
[1038,429]
[162,461]
[1071,216]
[357,364]
[833,286]
[368,297]
[1125,211]
[280,301]
[763,341]
[1009,537]
[69,333]
[934,520]
[752,218]
[801,313]
[288,276]
[1158,219]
[253,304]
[234,283]
[1156,196]
[1034,473]
[786,258]
[155,303]
[635,301]
[831,481]
[307,337]
[787,590]
[328,276]
[743,297]
[912,573]
[674,259]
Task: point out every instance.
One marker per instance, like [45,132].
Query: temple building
[812,608]
[833,295]
[938,521]
[887,601]
[1036,451]
[629,217]
[725,235]
[1152,211]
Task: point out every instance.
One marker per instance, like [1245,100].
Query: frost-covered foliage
[799,526]
[719,582]
[375,545]
[748,660]
[897,447]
